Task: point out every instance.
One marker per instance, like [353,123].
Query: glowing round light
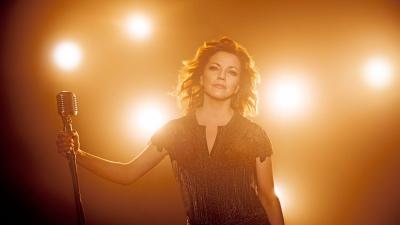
[138,26]
[288,95]
[278,192]
[282,196]
[67,55]
[146,120]
[378,72]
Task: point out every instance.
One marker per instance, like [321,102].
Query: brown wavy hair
[190,92]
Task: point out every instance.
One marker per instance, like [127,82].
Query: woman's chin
[219,96]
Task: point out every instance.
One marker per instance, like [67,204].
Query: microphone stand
[71,155]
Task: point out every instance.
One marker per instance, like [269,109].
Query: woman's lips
[220,86]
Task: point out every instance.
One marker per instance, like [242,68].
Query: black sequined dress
[217,188]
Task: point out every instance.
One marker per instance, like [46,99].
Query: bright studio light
[138,26]
[147,119]
[280,193]
[67,55]
[378,72]
[288,95]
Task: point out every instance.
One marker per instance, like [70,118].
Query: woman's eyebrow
[228,67]
[234,67]
[215,63]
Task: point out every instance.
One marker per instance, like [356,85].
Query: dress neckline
[196,122]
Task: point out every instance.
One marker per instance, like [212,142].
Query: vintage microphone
[67,107]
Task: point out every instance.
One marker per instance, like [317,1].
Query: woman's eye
[234,73]
[213,68]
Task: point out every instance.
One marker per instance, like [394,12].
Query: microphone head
[67,104]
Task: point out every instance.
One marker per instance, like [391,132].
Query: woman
[220,158]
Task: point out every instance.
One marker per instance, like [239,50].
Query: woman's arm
[266,192]
[118,172]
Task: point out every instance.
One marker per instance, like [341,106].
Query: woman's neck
[214,112]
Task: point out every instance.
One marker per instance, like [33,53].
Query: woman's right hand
[67,141]
[118,172]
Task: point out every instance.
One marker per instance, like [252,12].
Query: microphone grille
[67,104]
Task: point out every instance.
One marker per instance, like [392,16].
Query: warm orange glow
[329,102]
[378,72]
[67,55]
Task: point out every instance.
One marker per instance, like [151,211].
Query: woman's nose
[221,75]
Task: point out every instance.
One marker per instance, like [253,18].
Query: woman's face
[221,75]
